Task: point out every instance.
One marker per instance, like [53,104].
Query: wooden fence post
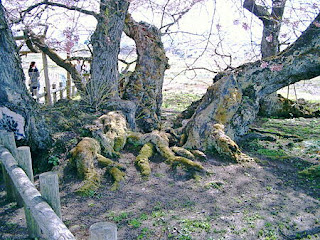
[50,224]
[25,162]
[46,78]
[8,141]
[61,90]
[54,97]
[103,231]
[73,91]
[49,189]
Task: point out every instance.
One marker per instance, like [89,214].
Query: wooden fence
[42,209]
[56,93]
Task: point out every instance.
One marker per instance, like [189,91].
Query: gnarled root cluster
[84,157]
[160,142]
[110,136]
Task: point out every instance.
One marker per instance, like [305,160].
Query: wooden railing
[56,93]
[42,209]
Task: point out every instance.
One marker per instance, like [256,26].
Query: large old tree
[144,88]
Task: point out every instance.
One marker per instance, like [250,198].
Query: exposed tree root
[84,157]
[161,142]
[225,146]
[142,160]
[111,132]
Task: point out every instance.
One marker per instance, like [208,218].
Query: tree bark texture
[13,92]
[145,83]
[106,44]
[233,101]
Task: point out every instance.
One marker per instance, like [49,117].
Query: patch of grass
[216,185]
[195,225]
[273,154]
[187,227]
[158,214]
[269,232]
[301,127]
[135,223]
[178,101]
[118,218]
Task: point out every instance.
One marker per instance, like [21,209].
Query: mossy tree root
[114,169]
[161,144]
[142,160]
[82,158]
[225,146]
[111,132]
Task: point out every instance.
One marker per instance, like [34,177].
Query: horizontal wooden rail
[49,223]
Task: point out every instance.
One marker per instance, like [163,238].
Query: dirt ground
[266,199]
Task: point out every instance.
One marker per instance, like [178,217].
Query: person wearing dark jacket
[34,78]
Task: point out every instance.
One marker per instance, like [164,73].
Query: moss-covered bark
[111,132]
[144,85]
[83,157]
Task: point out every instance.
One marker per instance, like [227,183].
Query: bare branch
[47,3]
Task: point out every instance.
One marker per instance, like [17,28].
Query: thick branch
[259,11]
[38,42]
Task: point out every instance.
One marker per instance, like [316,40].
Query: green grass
[311,172]
[178,101]
[304,128]
[118,218]
[272,154]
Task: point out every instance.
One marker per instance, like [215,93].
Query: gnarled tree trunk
[18,111]
[233,101]
[106,45]
[145,83]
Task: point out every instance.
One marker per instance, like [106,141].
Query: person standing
[34,79]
